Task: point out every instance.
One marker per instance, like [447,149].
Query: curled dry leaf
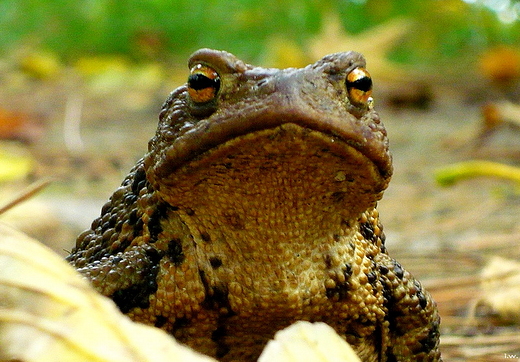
[305,341]
[48,313]
[501,288]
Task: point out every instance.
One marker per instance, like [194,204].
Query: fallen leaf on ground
[20,126]
[15,162]
[305,341]
[41,65]
[500,284]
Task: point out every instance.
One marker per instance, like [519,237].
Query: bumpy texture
[255,208]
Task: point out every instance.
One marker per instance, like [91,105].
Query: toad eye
[359,87]
[203,83]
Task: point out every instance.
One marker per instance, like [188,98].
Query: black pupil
[364,84]
[199,81]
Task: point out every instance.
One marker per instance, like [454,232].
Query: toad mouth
[363,134]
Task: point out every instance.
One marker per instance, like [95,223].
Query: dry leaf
[42,65]
[15,162]
[305,341]
[501,287]
[501,64]
[374,43]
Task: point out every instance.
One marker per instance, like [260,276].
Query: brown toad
[255,208]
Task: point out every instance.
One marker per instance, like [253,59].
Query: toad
[255,207]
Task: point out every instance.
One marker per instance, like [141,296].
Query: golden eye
[359,87]
[203,83]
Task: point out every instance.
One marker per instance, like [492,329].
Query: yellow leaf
[15,162]
[41,65]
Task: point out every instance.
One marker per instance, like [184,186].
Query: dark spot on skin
[339,292]
[371,277]
[175,252]
[137,295]
[215,262]
[383,269]
[208,300]
[138,228]
[154,225]
[119,245]
[398,270]
[389,304]
[390,356]
[388,296]
[218,336]
[190,212]
[130,199]
[119,227]
[216,297]
[336,237]
[104,227]
[220,295]
[160,321]
[202,276]
[430,342]
[347,271]
[132,218]
[139,181]
[328,261]
[180,323]
[423,302]
[112,221]
[382,236]
[367,230]
[205,236]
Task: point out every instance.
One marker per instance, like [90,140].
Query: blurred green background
[442,30]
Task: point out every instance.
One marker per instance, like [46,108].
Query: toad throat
[272,199]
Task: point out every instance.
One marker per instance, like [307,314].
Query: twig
[450,174]
[30,191]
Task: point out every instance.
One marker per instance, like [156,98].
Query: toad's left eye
[203,83]
[359,87]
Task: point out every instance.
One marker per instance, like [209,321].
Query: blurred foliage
[161,29]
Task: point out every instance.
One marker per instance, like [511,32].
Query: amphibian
[255,207]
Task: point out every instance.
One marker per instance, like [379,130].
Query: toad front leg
[411,314]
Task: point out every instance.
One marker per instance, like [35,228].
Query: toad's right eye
[203,83]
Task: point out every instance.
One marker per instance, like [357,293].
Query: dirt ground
[443,235]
